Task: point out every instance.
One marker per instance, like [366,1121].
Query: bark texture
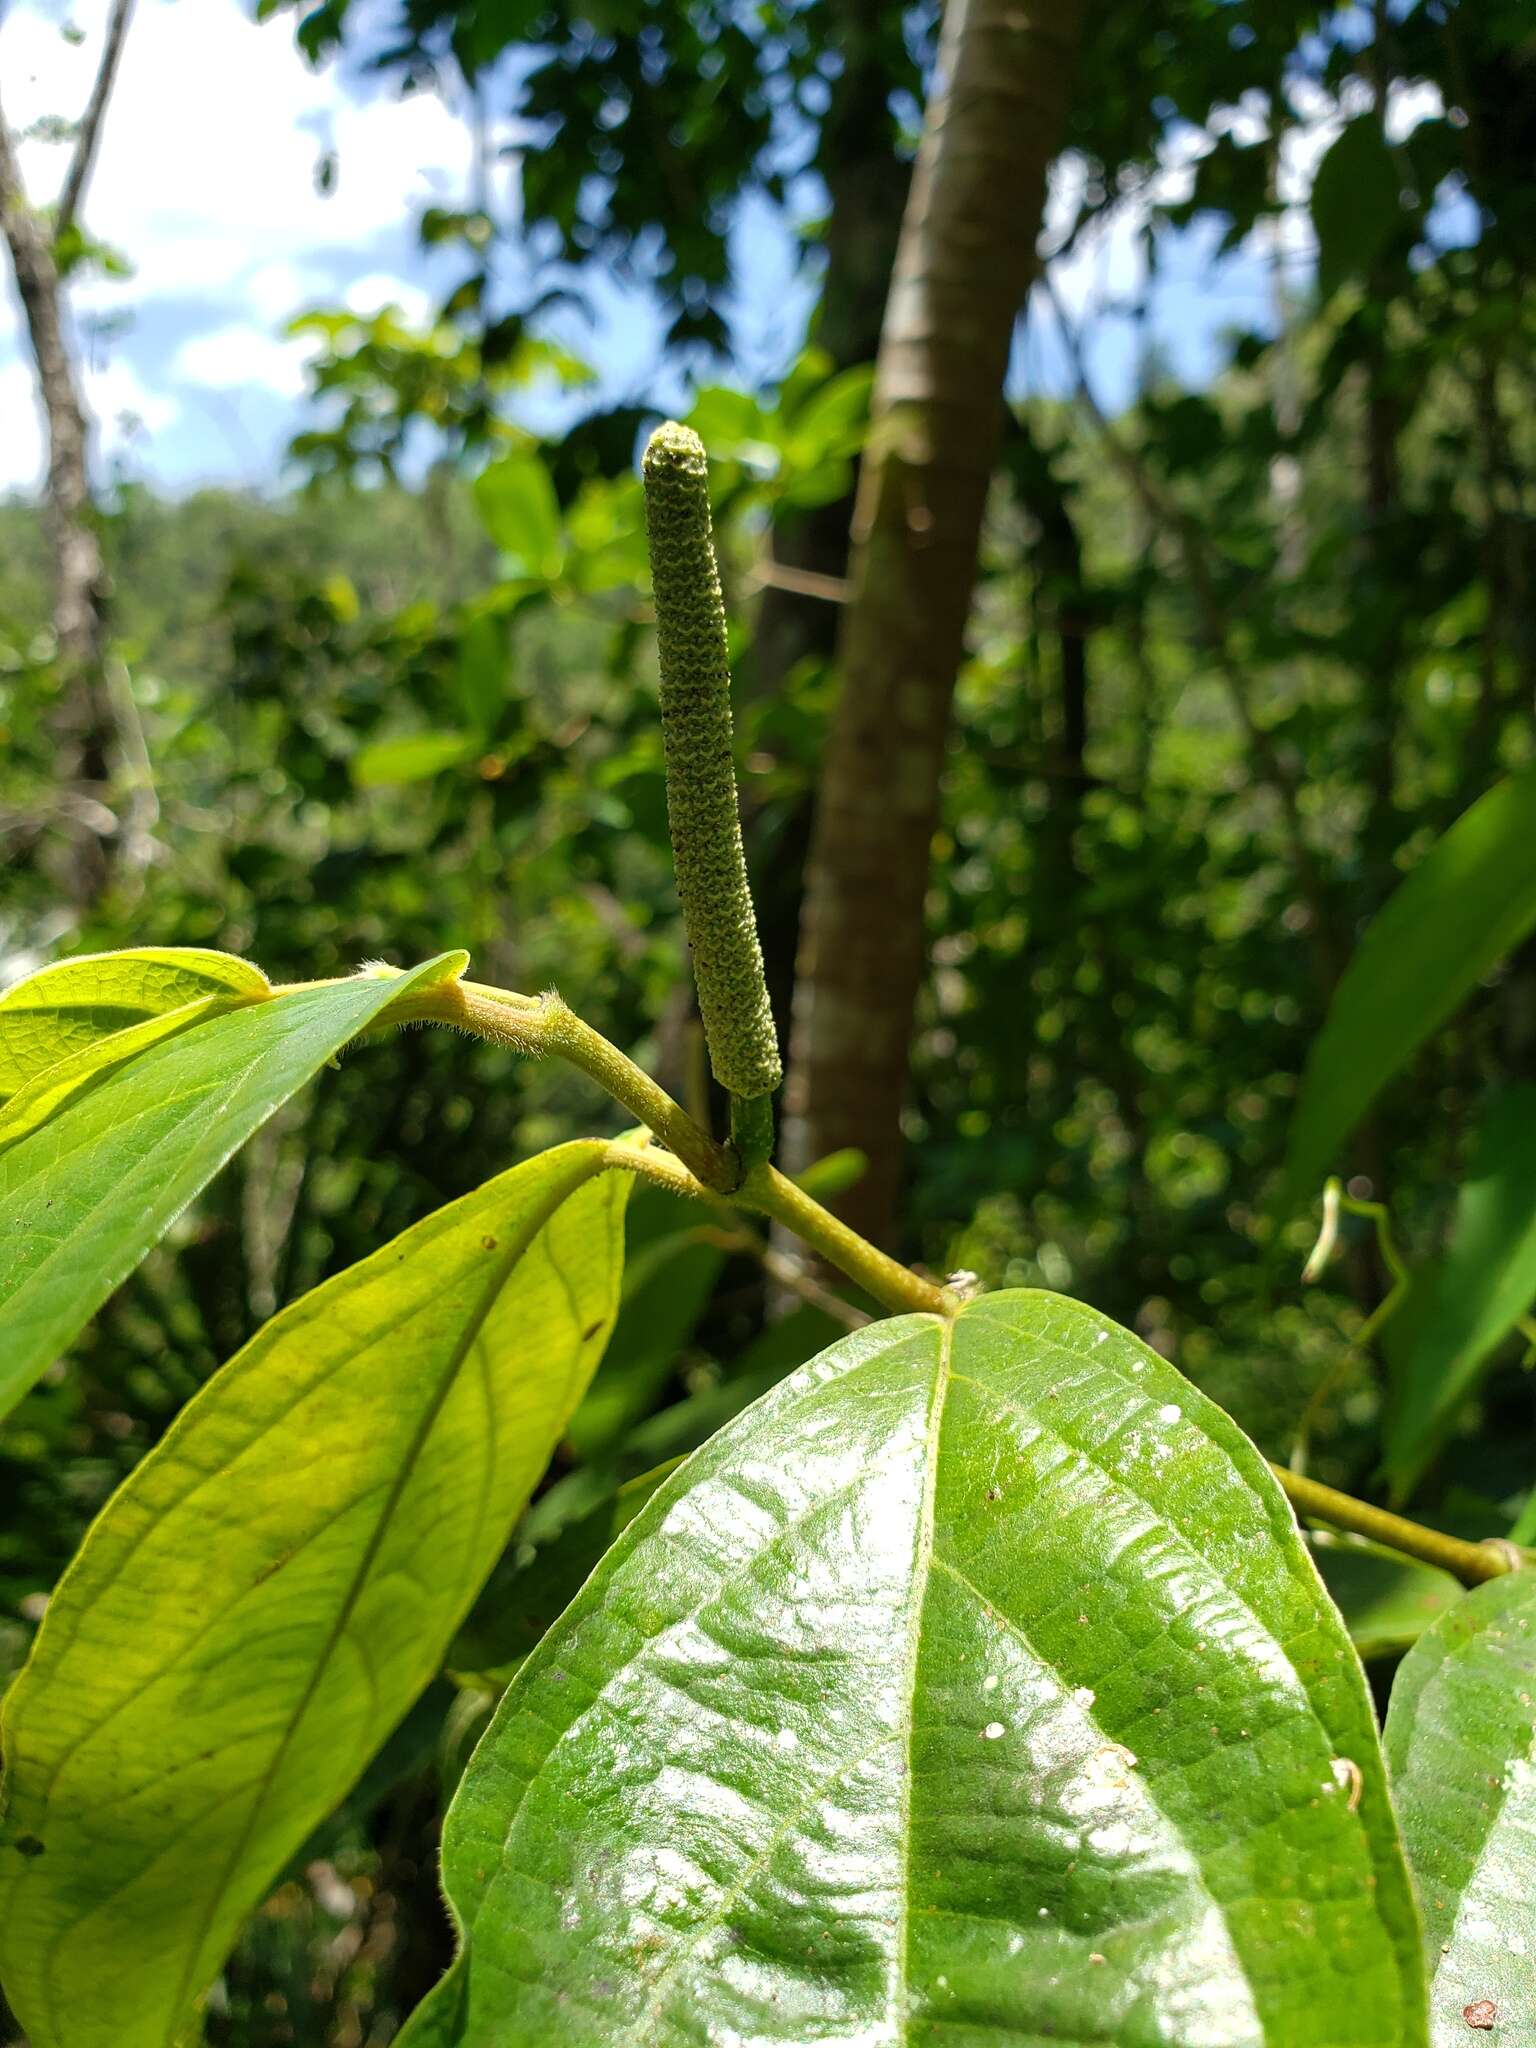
[965,262]
[79,577]
[85,724]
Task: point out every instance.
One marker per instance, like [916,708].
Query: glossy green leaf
[1478,1291]
[974,1684]
[83,1198]
[414,758]
[517,503]
[65,1008]
[262,1600]
[1461,1743]
[1471,898]
[1387,1600]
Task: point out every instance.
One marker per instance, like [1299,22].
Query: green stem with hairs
[694,1164]
[698,1165]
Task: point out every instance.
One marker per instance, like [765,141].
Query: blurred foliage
[1229,679]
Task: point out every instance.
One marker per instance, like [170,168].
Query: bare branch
[90,126]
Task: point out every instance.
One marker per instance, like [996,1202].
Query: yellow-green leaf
[70,1005]
[83,1197]
[46,1093]
[259,1604]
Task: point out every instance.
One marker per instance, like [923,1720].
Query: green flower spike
[701,784]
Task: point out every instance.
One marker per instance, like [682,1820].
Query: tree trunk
[78,572]
[965,261]
[866,183]
[85,724]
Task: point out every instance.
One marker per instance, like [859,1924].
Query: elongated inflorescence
[701,781]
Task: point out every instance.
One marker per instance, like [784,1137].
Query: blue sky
[206,182]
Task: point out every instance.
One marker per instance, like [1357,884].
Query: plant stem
[767,1191]
[695,1165]
[772,1194]
[1472,1563]
[544,1024]
[539,1024]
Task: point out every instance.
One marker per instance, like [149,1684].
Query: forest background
[1062,833]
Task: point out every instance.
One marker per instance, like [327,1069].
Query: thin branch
[802,582]
[1165,510]
[1469,1562]
[89,135]
[789,1271]
[540,1024]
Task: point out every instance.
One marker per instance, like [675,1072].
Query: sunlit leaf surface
[68,1006]
[262,1600]
[974,1685]
[83,1197]
[1461,1742]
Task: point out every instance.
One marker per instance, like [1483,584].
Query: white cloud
[207,164]
[236,357]
[275,291]
[206,182]
[366,296]
[121,404]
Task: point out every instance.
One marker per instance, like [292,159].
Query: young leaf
[265,1596]
[1471,898]
[415,757]
[84,1197]
[1461,1744]
[973,1683]
[1480,1289]
[64,1008]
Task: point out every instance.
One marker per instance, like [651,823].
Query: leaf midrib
[922,1571]
[517,1247]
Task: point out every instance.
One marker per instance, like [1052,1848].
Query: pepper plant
[975,1683]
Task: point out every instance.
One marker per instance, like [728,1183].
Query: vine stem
[695,1164]
[1472,1563]
[700,1166]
